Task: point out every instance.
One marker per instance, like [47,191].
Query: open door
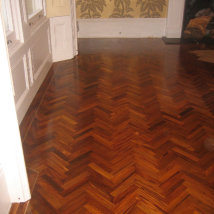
[14,185]
[63,27]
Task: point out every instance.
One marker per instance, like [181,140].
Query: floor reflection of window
[33,6]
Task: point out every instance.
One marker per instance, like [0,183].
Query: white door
[12,171]
[63,27]
[5,202]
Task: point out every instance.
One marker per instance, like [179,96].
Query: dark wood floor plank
[125,127]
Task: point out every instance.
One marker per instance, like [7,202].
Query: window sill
[35,18]
[14,47]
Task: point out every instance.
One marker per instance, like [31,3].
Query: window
[11,10]
[6,11]
[6,14]
[33,7]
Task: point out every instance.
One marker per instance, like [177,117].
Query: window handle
[9,42]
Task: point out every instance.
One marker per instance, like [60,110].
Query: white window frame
[33,18]
[7,7]
[11,33]
[37,4]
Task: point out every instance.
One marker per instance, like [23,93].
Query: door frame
[74,27]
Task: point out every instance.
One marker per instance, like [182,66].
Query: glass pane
[5,15]
[33,6]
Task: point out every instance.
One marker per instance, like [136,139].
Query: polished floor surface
[125,127]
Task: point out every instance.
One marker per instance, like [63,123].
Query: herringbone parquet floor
[126,127]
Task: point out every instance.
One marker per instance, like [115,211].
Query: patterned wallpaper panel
[121,8]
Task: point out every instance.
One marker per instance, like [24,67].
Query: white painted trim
[61,38]
[175,18]
[33,81]
[74,27]
[5,203]
[122,28]
[25,100]
[11,153]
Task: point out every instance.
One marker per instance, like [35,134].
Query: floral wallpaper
[87,9]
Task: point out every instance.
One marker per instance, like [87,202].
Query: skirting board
[122,28]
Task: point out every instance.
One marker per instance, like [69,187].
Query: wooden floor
[126,127]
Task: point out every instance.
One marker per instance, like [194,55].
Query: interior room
[107,107]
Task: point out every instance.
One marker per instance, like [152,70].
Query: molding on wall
[23,104]
[122,28]
[29,65]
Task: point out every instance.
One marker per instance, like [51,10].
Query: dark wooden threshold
[171,41]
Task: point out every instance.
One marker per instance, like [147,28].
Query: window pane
[33,6]
[5,15]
